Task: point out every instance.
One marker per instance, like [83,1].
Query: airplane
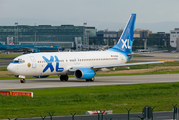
[83,65]
[29,48]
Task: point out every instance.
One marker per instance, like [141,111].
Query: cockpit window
[19,61]
[15,61]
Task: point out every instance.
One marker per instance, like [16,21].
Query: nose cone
[12,68]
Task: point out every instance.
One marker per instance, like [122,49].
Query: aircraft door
[33,61]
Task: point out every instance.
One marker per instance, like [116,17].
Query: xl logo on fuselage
[50,65]
[125,45]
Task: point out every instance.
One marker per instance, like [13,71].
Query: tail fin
[1,43]
[126,40]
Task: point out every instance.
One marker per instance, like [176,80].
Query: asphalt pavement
[132,116]
[5,61]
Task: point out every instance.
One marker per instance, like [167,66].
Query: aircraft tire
[87,80]
[22,80]
[61,78]
[66,77]
[92,80]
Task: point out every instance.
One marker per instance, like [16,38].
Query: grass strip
[9,55]
[64,101]
[3,68]
[176,63]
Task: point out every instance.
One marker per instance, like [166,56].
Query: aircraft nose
[12,68]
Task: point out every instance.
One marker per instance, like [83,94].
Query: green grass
[142,55]
[3,68]
[64,101]
[176,63]
[9,55]
[147,73]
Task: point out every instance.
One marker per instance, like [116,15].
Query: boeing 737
[83,65]
[30,48]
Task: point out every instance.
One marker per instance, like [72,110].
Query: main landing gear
[91,80]
[64,77]
[22,80]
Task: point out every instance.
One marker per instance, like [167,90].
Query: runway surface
[5,61]
[99,81]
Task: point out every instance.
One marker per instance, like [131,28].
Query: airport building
[109,37]
[139,33]
[159,39]
[66,36]
[80,37]
[174,34]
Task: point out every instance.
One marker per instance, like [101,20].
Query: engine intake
[84,73]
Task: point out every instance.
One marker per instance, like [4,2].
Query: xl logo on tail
[125,45]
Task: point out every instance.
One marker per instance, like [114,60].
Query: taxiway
[99,81]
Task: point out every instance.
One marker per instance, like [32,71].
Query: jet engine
[84,73]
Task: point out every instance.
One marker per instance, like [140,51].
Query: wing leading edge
[26,48]
[126,64]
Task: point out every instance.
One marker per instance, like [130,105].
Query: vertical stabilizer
[126,40]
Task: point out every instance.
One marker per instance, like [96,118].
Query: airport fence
[147,114]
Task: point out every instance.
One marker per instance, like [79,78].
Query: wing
[126,64]
[140,53]
[25,48]
[115,65]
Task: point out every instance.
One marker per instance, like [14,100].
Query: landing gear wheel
[92,79]
[61,77]
[87,80]
[22,80]
[64,77]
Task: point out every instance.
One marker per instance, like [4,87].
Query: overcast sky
[155,15]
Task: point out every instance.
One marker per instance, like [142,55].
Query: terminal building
[174,34]
[65,36]
[80,37]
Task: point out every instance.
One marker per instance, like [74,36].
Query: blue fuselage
[32,47]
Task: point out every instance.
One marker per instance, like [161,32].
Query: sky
[154,15]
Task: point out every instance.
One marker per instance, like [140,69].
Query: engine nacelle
[84,73]
[45,76]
